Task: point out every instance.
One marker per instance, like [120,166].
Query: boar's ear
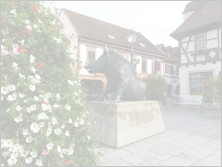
[106,50]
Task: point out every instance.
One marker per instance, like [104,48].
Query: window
[144,66]
[141,44]
[199,43]
[167,69]
[172,70]
[200,84]
[111,37]
[91,56]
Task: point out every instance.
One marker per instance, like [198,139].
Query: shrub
[44,118]
[215,90]
[155,87]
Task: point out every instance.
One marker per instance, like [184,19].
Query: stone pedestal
[120,124]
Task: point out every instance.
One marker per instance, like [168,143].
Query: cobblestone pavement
[191,138]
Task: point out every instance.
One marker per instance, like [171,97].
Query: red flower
[11,2]
[68,162]
[34,8]
[17,34]
[21,49]
[50,28]
[39,65]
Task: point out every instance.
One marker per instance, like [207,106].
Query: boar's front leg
[107,90]
[121,88]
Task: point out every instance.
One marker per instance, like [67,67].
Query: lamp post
[131,37]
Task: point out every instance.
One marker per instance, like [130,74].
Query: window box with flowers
[198,52]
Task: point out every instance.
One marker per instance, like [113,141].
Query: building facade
[171,63]
[91,35]
[199,39]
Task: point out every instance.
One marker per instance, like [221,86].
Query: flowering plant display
[44,119]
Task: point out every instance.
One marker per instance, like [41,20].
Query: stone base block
[120,124]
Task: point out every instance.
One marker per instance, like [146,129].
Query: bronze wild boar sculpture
[121,77]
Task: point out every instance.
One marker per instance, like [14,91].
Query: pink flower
[12,53]
[72,146]
[45,152]
[94,123]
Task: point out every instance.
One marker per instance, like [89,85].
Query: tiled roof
[98,30]
[208,13]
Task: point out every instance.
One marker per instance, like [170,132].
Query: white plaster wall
[212,43]
[183,59]
[185,71]
[211,34]
[99,52]
[139,65]
[185,39]
[220,37]
[190,46]
[149,66]
[69,30]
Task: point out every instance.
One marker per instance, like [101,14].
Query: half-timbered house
[199,39]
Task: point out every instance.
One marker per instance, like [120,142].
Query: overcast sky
[154,19]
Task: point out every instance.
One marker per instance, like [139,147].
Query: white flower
[64,151]
[81,121]
[88,137]
[48,95]
[24,153]
[49,146]
[39,162]
[35,26]
[54,120]
[2,97]
[13,11]
[63,126]
[57,131]
[33,69]
[41,124]
[22,41]
[38,30]
[21,95]
[35,81]
[57,40]
[33,154]
[32,87]
[11,87]
[56,105]
[58,96]
[34,127]
[29,110]
[4,90]
[6,143]
[33,107]
[22,76]
[36,98]
[42,115]
[29,139]
[70,82]
[67,133]
[11,161]
[28,160]
[28,27]
[59,149]
[70,151]
[70,120]
[15,66]
[76,124]
[25,132]
[18,119]
[18,108]
[11,97]
[32,58]
[26,21]
[37,76]
[15,47]
[49,131]
[67,107]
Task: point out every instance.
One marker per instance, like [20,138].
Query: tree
[155,87]
[215,90]
[44,117]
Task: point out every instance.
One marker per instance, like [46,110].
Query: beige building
[91,37]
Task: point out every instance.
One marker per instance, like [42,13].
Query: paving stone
[151,162]
[165,148]
[110,156]
[140,157]
[186,148]
[176,152]
[160,141]
[180,160]
[214,144]
[164,157]
[117,162]
[217,153]
[182,141]
[209,161]
[200,152]
[139,146]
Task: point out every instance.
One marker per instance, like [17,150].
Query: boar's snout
[90,68]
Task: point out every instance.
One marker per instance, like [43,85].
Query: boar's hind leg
[107,90]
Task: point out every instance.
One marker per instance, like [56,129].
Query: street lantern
[131,37]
